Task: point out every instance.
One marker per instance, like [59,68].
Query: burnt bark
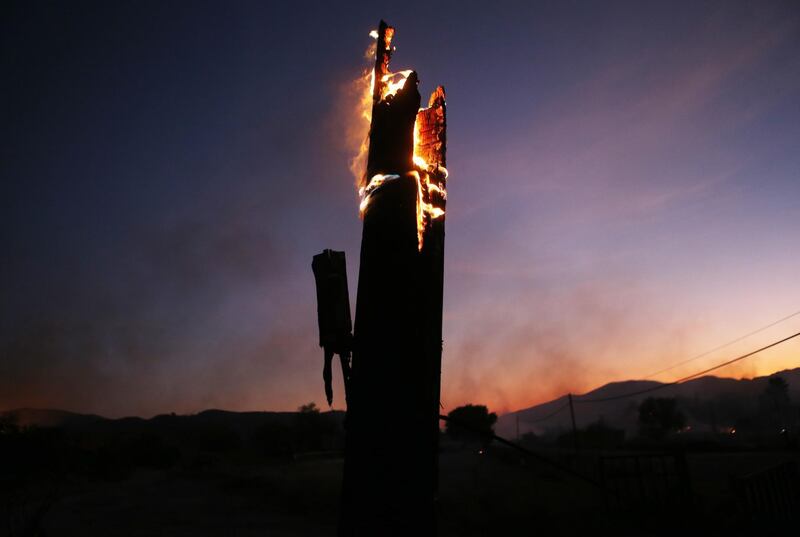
[391,136]
[333,315]
[390,476]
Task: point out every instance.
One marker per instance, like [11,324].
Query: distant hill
[704,400]
[25,417]
[242,423]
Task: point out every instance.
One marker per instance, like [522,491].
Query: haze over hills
[703,400]
[706,401]
[242,424]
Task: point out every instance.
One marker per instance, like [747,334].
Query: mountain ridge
[704,399]
[696,397]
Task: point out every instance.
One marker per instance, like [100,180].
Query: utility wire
[729,343]
[742,357]
[526,451]
[689,377]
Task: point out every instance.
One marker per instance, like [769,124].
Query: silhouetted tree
[774,403]
[308,408]
[471,423]
[775,397]
[312,428]
[659,416]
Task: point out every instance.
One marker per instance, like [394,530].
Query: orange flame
[364,85]
[394,82]
[429,178]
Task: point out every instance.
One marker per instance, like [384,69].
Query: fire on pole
[392,363]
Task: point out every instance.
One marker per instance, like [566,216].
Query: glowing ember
[394,82]
[373,184]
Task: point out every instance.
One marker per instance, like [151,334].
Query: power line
[689,377]
[742,357]
[729,343]
[526,451]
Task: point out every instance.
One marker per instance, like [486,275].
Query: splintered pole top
[383,53]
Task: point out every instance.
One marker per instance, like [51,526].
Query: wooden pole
[574,427]
[391,456]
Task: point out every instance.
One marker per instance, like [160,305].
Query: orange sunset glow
[429,269]
[616,204]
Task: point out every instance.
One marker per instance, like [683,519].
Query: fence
[771,495]
[646,481]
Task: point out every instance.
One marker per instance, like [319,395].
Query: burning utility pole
[392,424]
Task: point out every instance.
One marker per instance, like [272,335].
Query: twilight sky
[624,193]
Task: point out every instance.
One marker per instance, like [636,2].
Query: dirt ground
[480,494]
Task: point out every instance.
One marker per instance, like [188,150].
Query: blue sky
[623,193]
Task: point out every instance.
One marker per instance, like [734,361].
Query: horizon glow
[624,195]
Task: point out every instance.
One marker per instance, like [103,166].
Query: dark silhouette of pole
[390,477]
[574,427]
[333,315]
